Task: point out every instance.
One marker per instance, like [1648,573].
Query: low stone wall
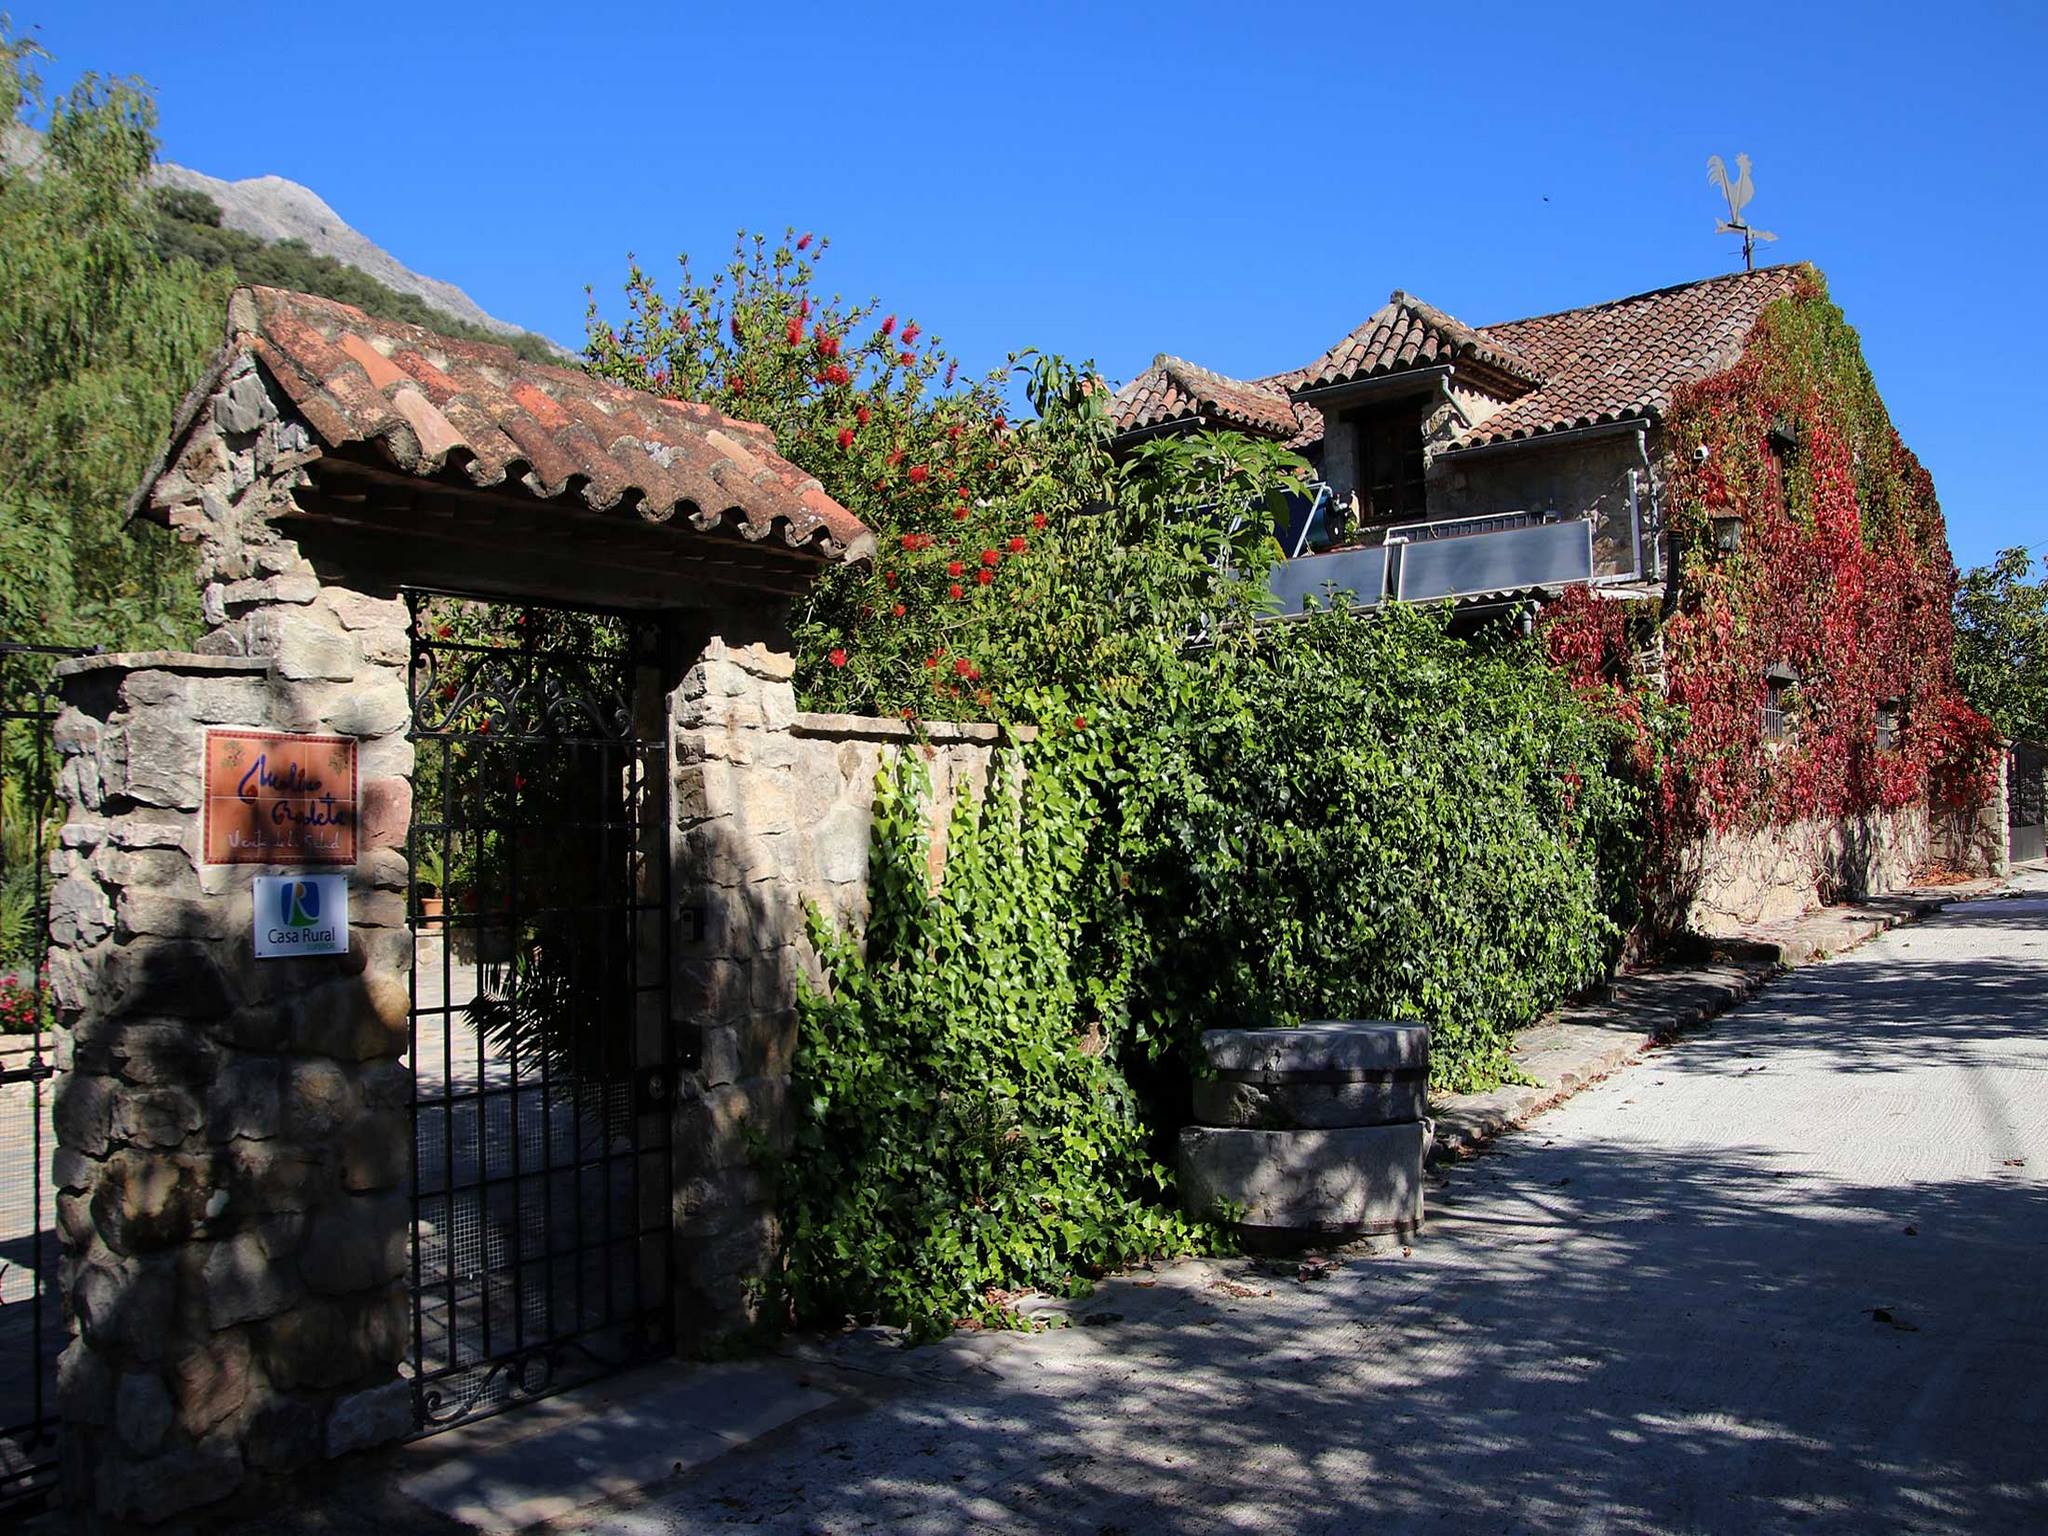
[1728,881]
[1977,842]
[231,1132]
[774,810]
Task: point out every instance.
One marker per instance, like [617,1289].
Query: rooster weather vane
[1738,192]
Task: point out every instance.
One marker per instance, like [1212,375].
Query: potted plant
[428,873]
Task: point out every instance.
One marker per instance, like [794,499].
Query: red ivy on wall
[1843,577]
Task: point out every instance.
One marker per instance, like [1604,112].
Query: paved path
[1791,1274]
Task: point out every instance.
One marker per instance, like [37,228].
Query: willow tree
[99,340]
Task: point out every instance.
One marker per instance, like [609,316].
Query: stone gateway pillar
[232,1132]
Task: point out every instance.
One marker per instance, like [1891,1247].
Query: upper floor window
[1781,696]
[1888,725]
[1390,463]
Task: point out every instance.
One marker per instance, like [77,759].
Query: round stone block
[1321,1076]
[1351,1181]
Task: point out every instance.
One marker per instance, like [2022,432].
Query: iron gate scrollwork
[540,1012]
[31,1314]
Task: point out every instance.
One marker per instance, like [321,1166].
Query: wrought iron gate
[2026,785]
[31,1316]
[540,1039]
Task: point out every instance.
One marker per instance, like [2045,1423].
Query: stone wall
[1979,841]
[231,1132]
[773,811]
[1728,881]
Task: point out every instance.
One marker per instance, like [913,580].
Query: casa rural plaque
[275,798]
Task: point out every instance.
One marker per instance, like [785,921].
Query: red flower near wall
[837,657]
[919,474]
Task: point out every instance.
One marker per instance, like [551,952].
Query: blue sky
[1239,184]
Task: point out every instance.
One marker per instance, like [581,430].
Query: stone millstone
[1355,1180]
[1321,1076]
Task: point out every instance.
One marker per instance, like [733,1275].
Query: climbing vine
[1840,590]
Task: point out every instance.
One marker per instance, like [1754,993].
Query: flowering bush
[1843,576]
[1011,556]
[24,1006]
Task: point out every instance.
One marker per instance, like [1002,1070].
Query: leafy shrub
[958,1135]
[1371,819]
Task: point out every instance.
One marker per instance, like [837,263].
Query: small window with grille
[1781,695]
[1889,721]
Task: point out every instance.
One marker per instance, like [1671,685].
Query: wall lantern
[1727,533]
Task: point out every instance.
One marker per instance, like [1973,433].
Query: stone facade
[232,1133]
[773,812]
[1977,841]
[1727,881]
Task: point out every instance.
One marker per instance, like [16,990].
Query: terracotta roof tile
[1622,359]
[1174,390]
[434,406]
[1406,333]
[1577,368]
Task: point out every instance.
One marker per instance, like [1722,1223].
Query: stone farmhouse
[1486,465]
[1504,468]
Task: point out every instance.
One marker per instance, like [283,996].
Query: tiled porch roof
[467,412]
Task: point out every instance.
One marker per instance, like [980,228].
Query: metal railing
[1445,560]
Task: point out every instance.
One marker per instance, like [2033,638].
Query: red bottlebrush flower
[803,306]
[483,726]
[981,699]
[895,457]
[443,631]
[888,324]
[861,414]
[1038,519]
[836,657]
[953,432]
[984,576]
[735,327]
[963,493]
[898,611]
[803,240]
[919,474]
[906,358]
[518,782]
[991,557]
[952,370]
[910,541]
[956,591]
[828,346]
[959,514]
[888,578]
[1080,724]
[846,437]
[962,667]
[794,331]
[1002,423]
[447,690]
[1019,544]
[910,333]
[955,568]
